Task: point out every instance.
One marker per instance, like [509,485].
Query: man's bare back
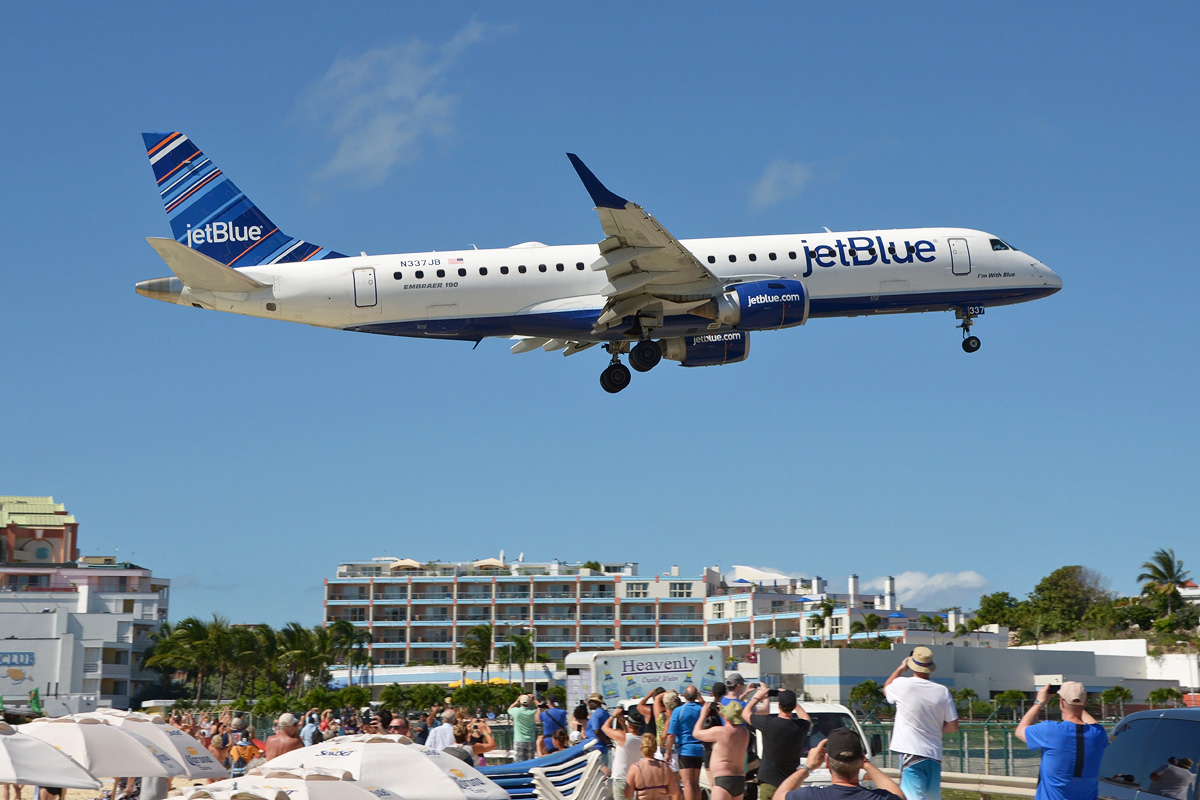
[727,765]
[280,743]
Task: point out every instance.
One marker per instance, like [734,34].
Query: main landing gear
[643,356]
[616,375]
[967,314]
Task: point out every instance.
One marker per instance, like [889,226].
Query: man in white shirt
[442,736]
[924,711]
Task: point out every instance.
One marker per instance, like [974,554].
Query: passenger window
[579,265]
[541,267]
[853,252]
[462,273]
[871,251]
[732,259]
[420,274]
[558,267]
[712,259]
[1173,758]
[441,273]
[1124,760]
[521,269]
[891,250]
[912,249]
[397,276]
[771,256]
[483,270]
[504,270]
[792,255]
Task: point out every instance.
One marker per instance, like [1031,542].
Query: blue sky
[245,459]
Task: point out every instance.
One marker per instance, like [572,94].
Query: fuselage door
[364,288]
[960,256]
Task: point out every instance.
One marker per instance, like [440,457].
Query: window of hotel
[637,590]
[357,614]
[681,590]
[718,611]
[836,625]
[739,608]
[778,605]
[814,626]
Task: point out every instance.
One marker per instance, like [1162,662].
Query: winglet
[601,196]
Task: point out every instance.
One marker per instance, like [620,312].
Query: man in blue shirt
[1071,749]
[596,720]
[552,718]
[681,739]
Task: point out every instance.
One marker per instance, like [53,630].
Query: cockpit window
[999,245]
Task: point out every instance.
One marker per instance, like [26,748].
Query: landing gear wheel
[615,378]
[645,356]
[970,344]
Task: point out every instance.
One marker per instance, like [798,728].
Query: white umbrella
[103,749]
[295,784]
[405,768]
[30,761]
[195,760]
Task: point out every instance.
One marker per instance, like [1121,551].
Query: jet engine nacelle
[759,305]
[708,350]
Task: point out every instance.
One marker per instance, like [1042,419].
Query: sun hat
[921,660]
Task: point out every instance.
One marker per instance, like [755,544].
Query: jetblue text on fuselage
[216,232]
[863,251]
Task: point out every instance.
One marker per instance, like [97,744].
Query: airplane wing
[650,273]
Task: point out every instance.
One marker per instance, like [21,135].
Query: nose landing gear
[967,314]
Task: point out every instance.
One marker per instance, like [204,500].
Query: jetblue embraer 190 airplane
[640,291]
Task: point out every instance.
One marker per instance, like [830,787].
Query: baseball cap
[921,660]
[525,700]
[787,699]
[844,745]
[576,736]
[733,677]
[287,720]
[1072,693]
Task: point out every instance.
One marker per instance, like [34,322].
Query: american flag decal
[455,261]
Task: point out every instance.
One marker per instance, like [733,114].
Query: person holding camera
[523,715]
[624,731]
[844,755]
[1071,749]
[924,711]
[784,735]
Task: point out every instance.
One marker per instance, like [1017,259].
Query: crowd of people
[657,749]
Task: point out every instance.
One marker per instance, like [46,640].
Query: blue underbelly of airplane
[577,325]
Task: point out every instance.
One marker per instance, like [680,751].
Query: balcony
[680,638]
[474,621]
[389,643]
[539,596]
[391,597]
[512,597]
[638,638]
[590,638]
[342,600]
[431,618]
[607,616]
[475,597]
[390,615]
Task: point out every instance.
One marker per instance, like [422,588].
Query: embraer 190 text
[639,291]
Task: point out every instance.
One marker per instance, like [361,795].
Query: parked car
[1153,753]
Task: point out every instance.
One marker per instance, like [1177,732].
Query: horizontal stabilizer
[198,271]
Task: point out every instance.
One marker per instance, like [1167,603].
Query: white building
[73,628]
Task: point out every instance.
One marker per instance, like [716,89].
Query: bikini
[647,788]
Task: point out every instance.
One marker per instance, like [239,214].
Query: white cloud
[382,105]
[781,181]
[931,592]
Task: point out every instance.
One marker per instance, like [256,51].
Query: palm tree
[967,695]
[1116,694]
[476,649]
[343,637]
[869,696]
[1163,574]
[1011,699]
[826,608]
[521,651]
[782,644]
[869,623]
[1164,695]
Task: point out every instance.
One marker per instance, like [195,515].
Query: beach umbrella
[28,760]
[404,768]
[103,749]
[192,756]
[293,784]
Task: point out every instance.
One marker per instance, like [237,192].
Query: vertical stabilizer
[209,214]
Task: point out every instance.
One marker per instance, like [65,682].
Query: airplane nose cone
[1049,277]
[165,289]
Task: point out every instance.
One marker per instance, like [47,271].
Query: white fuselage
[538,290]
